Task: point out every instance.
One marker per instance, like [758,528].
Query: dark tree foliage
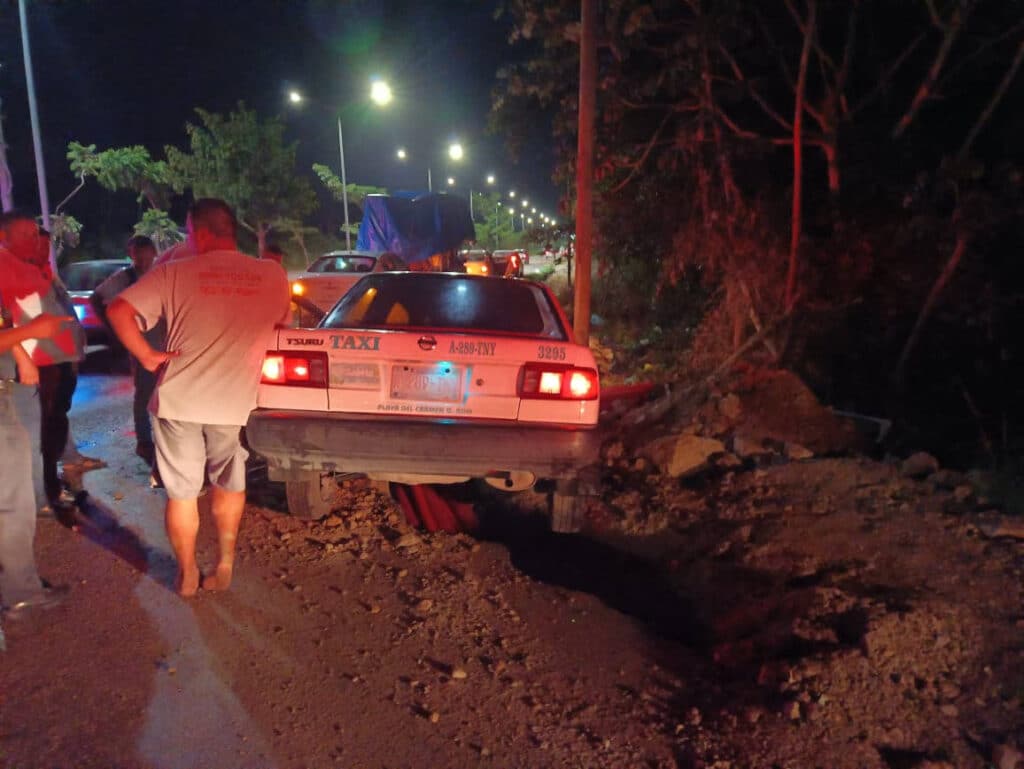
[903,250]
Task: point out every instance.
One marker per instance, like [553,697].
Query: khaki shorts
[185,450]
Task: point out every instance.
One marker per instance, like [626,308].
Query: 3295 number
[550,352]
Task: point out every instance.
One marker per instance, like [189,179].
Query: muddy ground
[769,612]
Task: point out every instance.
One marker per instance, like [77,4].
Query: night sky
[118,72]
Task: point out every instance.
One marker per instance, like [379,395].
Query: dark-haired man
[142,253]
[221,307]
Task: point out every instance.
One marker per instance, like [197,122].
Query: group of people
[197,323]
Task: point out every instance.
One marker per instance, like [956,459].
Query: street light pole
[344,187]
[37,142]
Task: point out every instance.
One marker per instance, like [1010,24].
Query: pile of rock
[772,418]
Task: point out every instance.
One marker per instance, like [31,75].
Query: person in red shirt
[57,361]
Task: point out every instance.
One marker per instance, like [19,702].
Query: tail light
[298,288]
[546,380]
[295,370]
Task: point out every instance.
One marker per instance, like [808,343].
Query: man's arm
[28,372]
[40,327]
[121,316]
[107,291]
[99,306]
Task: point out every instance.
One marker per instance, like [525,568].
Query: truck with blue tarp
[425,230]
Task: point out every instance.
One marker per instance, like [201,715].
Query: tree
[246,163]
[356,193]
[65,232]
[119,168]
[492,221]
[297,231]
[707,106]
[158,226]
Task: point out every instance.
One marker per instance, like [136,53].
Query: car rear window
[446,301]
[85,276]
[343,264]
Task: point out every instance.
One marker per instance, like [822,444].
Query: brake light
[298,289]
[305,370]
[546,380]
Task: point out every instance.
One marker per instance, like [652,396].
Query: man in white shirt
[221,307]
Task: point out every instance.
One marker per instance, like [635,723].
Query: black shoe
[47,598]
[64,509]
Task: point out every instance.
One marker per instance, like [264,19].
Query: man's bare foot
[219,579]
[187,585]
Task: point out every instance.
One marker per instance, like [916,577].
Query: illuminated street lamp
[380,94]
[533,210]
[490,181]
[455,152]
[401,154]
[511,193]
[526,203]
[451,181]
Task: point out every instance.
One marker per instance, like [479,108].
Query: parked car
[327,279]
[81,279]
[478,262]
[510,262]
[419,377]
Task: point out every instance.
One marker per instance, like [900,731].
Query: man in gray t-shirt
[221,308]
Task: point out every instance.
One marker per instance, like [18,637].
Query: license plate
[436,382]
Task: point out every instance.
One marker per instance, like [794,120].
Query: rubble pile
[829,589]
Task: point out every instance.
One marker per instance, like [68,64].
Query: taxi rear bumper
[297,442]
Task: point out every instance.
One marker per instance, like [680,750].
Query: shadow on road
[100,525]
[632,584]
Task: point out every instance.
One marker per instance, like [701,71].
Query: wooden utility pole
[585,170]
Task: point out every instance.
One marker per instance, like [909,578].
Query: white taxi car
[420,377]
[328,278]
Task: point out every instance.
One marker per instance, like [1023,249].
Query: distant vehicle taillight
[546,380]
[305,370]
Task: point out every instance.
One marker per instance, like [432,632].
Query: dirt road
[826,613]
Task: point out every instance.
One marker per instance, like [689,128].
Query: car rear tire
[312,496]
